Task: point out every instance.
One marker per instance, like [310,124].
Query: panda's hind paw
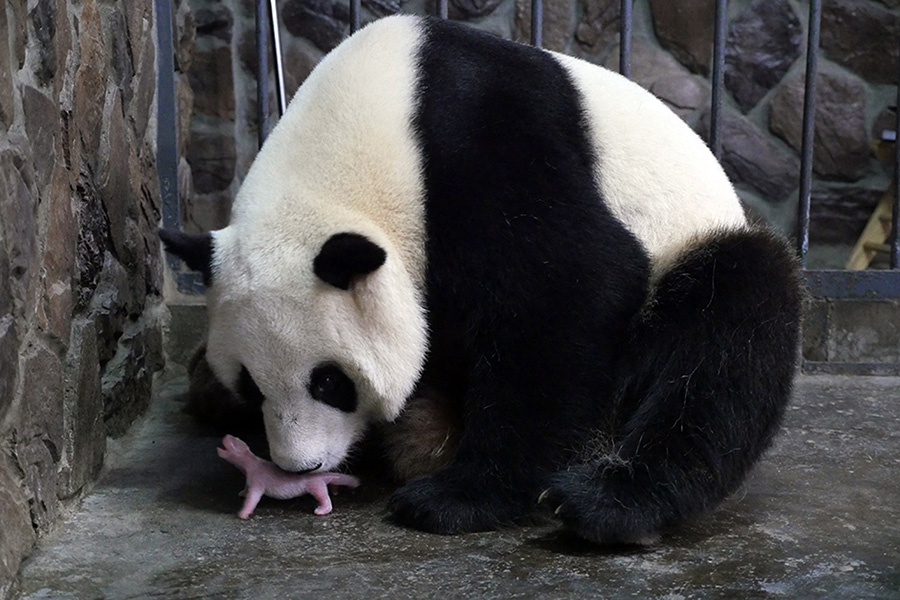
[592,510]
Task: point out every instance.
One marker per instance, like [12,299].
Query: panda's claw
[543,495]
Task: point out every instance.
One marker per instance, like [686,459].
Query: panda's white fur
[656,174]
[560,243]
[323,171]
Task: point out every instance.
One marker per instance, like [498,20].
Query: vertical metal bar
[718,79]
[279,66]
[625,38]
[262,70]
[895,214]
[537,22]
[442,9]
[354,16]
[167,130]
[809,128]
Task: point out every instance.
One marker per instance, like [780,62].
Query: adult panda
[538,241]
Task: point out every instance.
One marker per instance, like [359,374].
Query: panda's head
[323,329]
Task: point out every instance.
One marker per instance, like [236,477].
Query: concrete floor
[820,518]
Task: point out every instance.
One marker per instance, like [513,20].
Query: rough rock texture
[762,44]
[79,259]
[686,29]
[672,54]
[859,35]
[841,140]
[558,25]
[599,25]
[752,158]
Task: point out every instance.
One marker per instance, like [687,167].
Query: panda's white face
[325,357]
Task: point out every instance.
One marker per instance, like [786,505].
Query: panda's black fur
[628,396]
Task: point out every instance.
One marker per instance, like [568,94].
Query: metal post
[354,16]
[167,130]
[895,214]
[537,22]
[718,79]
[442,9]
[262,70]
[809,109]
[279,66]
[625,38]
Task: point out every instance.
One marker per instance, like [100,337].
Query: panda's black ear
[195,249]
[346,256]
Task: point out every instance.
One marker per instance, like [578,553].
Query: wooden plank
[875,235]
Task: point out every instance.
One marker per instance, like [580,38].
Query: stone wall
[80,266]
[672,54]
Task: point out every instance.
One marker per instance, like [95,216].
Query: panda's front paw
[442,503]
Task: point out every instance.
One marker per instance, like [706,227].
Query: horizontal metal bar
[810,367]
[837,284]
[190,283]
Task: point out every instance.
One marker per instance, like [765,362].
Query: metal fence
[836,284]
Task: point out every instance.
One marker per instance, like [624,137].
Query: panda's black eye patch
[248,390]
[329,385]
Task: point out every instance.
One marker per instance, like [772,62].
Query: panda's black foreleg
[703,385]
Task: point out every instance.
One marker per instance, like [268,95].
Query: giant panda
[541,243]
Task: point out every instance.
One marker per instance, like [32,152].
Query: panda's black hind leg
[702,388]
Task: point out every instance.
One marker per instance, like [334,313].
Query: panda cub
[541,245]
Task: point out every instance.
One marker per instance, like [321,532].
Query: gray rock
[214,20]
[322,22]
[127,378]
[839,214]
[17,534]
[58,262]
[558,23]
[856,34]
[110,306]
[213,83]
[43,22]
[762,44]
[85,434]
[185,34]
[841,141]
[144,84]
[117,171]
[471,9]
[9,347]
[39,438]
[890,3]
[18,217]
[599,25]
[42,127]
[121,59]
[752,158]
[212,158]
[93,236]
[90,81]
[686,29]
[7,106]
